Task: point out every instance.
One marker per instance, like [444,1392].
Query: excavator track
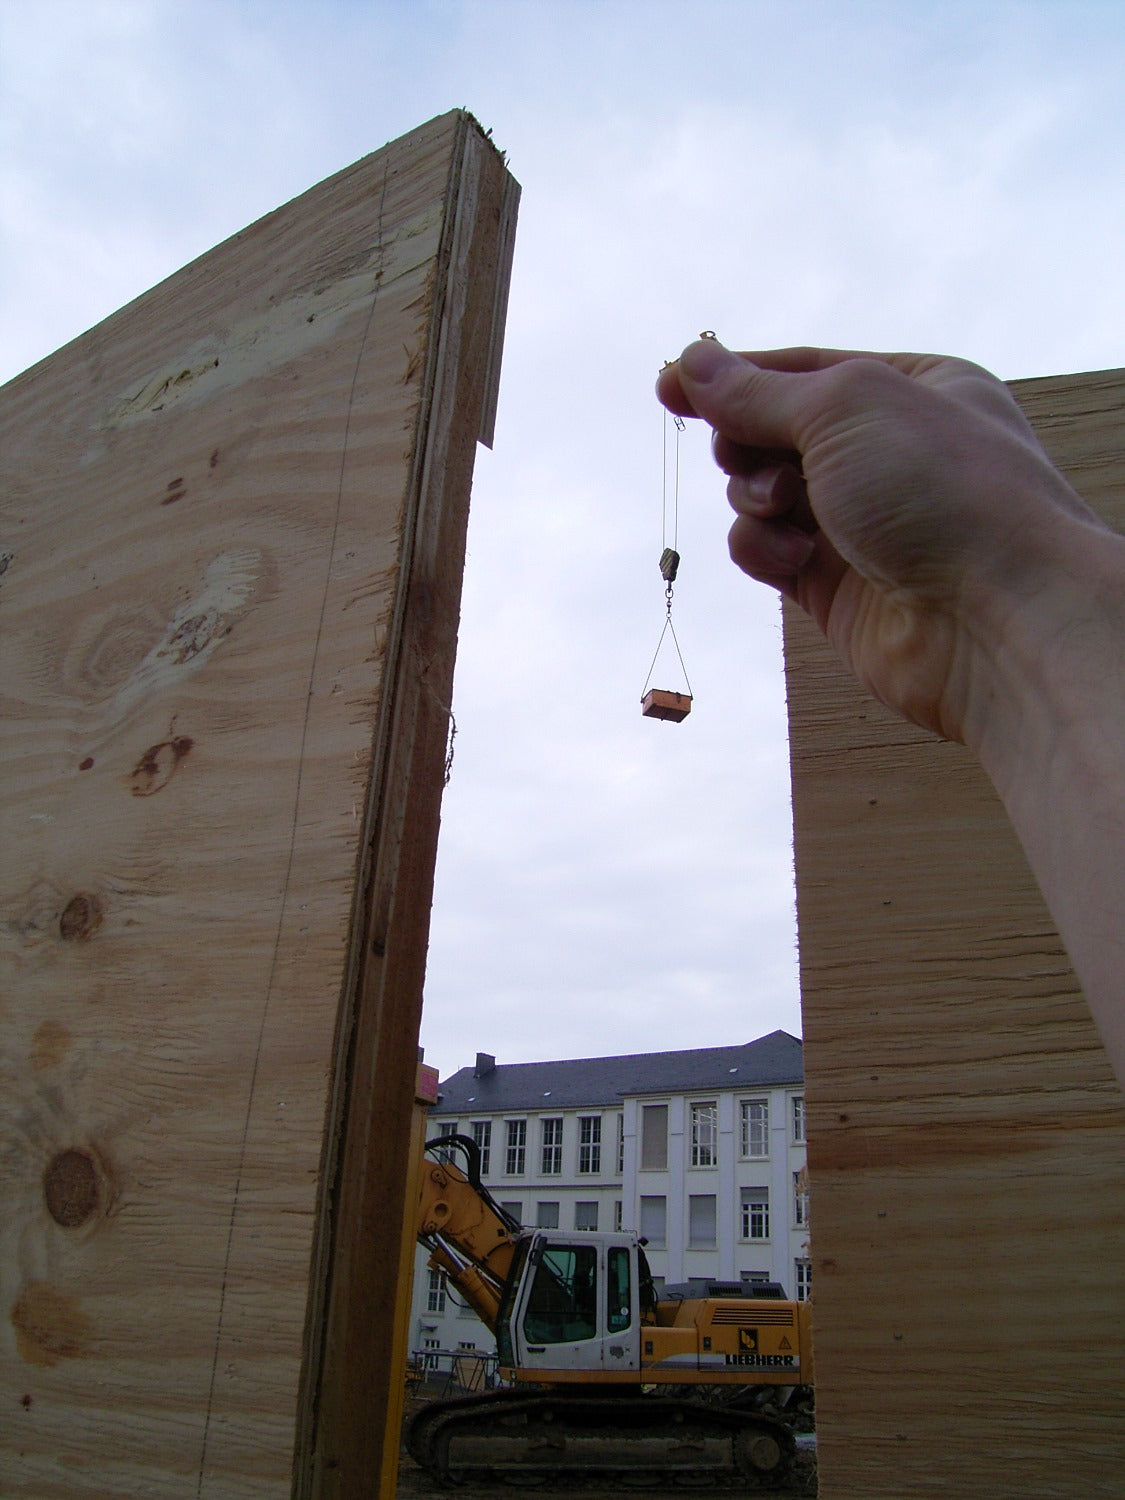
[560,1439]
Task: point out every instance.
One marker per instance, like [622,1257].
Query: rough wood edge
[509,210]
[351,1386]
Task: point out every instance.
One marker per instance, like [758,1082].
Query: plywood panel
[966,1136]
[232,537]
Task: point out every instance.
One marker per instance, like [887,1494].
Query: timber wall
[233,523]
[966,1136]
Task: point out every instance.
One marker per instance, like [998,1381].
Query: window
[654,1138]
[701,1220]
[803,1270]
[482,1134]
[517,1148]
[654,1220]
[446,1128]
[562,1306]
[620,1145]
[585,1216]
[801,1198]
[435,1292]
[704,1144]
[546,1215]
[589,1144]
[799,1118]
[515,1209]
[618,1296]
[755,1127]
[550,1156]
[618,1216]
[755,1213]
[430,1349]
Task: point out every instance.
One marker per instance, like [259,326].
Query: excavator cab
[572,1304]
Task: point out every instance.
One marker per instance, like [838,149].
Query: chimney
[486,1064]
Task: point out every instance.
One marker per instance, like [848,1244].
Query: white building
[701,1152]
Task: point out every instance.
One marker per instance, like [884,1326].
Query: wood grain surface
[966,1136]
[231,542]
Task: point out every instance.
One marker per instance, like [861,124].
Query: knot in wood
[72,1187]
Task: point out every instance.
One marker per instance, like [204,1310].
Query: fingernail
[769,491]
[788,547]
[703,360]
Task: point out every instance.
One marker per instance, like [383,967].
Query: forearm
[1048,723]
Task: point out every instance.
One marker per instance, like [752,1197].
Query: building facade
[701,1152]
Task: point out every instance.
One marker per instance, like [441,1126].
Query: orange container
[659,703]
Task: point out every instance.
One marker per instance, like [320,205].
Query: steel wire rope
[670,557]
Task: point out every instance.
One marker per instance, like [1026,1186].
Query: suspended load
[668,703]
[662,703]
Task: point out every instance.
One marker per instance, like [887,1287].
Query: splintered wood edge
[351,1382]
[509,210]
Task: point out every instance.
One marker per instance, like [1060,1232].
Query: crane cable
[669,557]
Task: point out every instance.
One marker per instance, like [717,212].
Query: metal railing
[436,1373]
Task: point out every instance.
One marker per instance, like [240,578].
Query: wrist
[1047,695]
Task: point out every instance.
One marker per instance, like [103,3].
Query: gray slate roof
[773,1059]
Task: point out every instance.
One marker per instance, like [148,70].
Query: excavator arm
[470,1237]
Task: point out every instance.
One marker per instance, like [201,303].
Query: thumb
[757,407]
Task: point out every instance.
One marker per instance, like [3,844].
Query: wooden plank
[232,538]
[965,1133]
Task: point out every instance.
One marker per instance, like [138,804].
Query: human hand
[901,499]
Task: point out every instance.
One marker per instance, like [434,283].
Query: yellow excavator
[602,1376]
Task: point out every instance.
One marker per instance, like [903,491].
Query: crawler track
[581,1440]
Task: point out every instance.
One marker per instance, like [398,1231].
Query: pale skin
[904,502]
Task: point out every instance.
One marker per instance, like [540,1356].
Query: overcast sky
[880,174]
